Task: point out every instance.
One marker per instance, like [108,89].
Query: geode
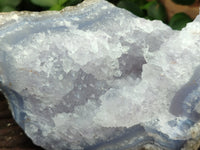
[96,77]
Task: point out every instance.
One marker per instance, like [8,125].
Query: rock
[96,77]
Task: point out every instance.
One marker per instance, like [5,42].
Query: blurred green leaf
[7,9]
[140,2]
[11,3]
[72,2]
[147,5]
[56,7]
[45,3]
[132,6]
[155,10]
[184,2]
[61,2]
[179,20]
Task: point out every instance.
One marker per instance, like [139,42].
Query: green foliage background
[150,10]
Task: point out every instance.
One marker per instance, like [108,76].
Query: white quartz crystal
[96,77]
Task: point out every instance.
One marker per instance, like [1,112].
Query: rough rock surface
[11,135]
[96,77]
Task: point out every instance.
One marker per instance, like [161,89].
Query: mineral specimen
[96,77]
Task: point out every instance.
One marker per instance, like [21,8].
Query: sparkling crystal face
[96,77]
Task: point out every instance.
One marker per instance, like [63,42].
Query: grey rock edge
[96,77]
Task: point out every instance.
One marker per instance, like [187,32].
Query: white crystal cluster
[96,77]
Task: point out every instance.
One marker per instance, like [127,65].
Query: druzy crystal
[96,77]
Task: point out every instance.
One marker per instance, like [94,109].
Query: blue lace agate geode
[96,77]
